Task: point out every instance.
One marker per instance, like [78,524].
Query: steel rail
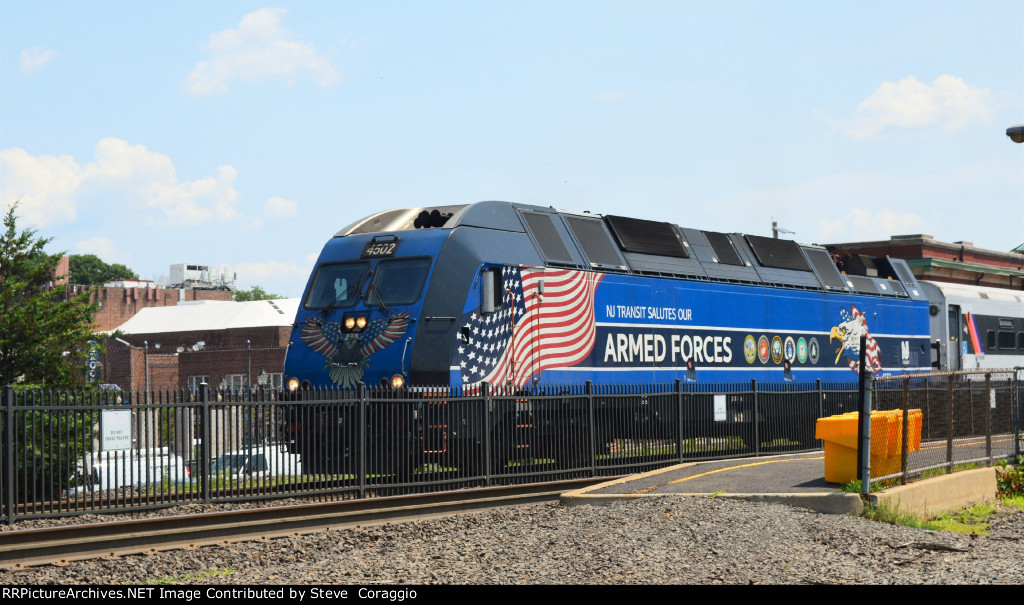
[56,545]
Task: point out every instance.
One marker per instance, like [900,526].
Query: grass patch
[201,575]
[1014,502]
[935,472]
[780,442]
[853,487]
[972,520]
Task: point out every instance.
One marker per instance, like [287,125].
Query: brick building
[956,262]
[225,344]
[120,301]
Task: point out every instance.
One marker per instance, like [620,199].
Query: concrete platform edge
[937,495]
[930,497]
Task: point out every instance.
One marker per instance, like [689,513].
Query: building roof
[212,315]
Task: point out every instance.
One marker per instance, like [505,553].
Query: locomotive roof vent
[431,218]
[400,219]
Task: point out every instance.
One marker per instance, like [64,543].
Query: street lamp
[1016,133]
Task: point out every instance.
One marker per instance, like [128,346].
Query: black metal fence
[67,453]
[947,420]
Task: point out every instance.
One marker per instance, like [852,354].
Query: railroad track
[55,545]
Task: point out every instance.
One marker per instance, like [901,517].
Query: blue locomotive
[520,297]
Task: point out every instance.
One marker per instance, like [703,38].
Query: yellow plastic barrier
[839,434]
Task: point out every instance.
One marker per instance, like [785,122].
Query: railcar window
[646,237]
[398,282]
[1020,340]
[1006,339]
[904,273]
[990,339]
[862,284]
[777,253]
[826,268]
[547,237]
[723,248]
[336,284]
[596,242]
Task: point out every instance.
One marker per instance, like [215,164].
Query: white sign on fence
[720,408]
[115,430]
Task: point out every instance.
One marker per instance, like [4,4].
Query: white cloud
[612,95]
[280,207]
[850,206]
[805,207]
[949,103]
[258,48]
[52,188]
[45,186]
[34,58]
[102,247]
[862,224]
[276,208]
[283,278]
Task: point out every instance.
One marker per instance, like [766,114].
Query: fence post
[588,389]
[145,365]
[204,447]
[864,426]
[821,399]
[488,423]
[9,452]
[906,431]
[863,410]
[988,417]
[949,424]
[248,365]
[927,433]
[679,406]
[757,418]
[361,396]
[1016,411]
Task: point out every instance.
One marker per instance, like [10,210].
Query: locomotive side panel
[565,327]
[455,284]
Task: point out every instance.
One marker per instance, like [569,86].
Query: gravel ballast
[672,540]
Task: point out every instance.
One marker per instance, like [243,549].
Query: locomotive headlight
[361,322]
[293,384]
[350,322]
[397,381]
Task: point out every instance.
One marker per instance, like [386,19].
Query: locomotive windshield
[336,285]
[398,282]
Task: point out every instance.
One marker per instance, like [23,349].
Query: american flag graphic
[532,331]
[856,325]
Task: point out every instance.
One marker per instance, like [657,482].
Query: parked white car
[128,468]
[262,461]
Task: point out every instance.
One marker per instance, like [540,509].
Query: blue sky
[247,134]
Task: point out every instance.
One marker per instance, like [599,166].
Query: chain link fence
[959,419]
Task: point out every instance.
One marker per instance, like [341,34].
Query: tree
[254,293]
[90,270]
[44,334]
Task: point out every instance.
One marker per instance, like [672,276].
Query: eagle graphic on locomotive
[513,297]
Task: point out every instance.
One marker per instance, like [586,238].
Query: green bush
[1010,479]
[48,444]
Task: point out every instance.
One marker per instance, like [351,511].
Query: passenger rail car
[516,296]
[975,327]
